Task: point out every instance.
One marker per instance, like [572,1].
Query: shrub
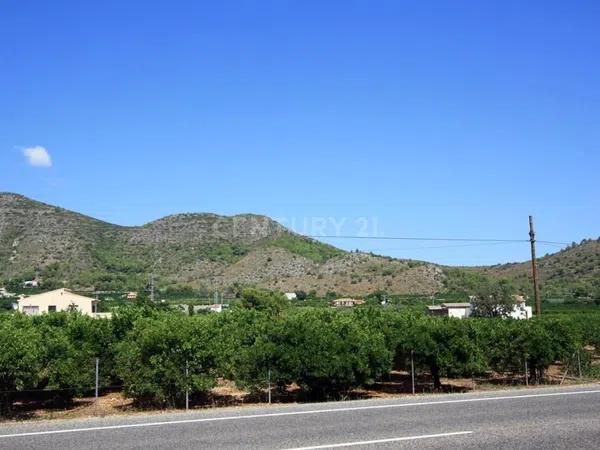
[325,352]
[20,359]
[152,360]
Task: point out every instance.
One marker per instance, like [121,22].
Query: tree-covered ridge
[570,273]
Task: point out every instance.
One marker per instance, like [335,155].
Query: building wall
[459,313]
[61,299]
[521,312]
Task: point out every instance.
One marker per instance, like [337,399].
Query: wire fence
[413,379]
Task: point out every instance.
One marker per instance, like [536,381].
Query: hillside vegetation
[208,252]
[572,272]
[204,251]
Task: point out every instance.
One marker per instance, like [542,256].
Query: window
[31,310]
[51,308]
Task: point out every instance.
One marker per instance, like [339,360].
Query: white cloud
[37,156]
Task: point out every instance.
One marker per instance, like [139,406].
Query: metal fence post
[269,381]
[412,371]
[97,376]
[187,386]
[526,374]
[579,363]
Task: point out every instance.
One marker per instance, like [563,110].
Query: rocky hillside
[208,251]
[200,250]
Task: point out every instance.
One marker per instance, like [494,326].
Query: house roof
[50,294]
[347,301]
[456,305]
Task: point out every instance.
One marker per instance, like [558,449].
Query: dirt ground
[398,384]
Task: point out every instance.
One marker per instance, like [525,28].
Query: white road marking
[382,441]
[298,413]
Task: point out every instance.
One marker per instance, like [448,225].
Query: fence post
[187,386]
[526,374]
[579,363]
[269,381]
[97,376]
[412,371]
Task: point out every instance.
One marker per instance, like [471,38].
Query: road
[548,418]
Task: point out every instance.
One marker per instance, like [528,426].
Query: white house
[463,310]
[456,310]
[346,302]
[521,311]
[290,295]
[57,300]
[215,307]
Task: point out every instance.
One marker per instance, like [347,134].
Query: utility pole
[536,287]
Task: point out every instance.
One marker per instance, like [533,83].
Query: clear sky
[435,119]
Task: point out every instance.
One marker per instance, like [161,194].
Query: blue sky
[436,119]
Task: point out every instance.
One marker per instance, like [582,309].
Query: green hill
[199,250]
[572,272]
[208,251]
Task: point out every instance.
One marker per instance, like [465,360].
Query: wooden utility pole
[536,287]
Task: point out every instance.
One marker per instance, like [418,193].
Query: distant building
[436,310]
[215,307]
[132,295]
[457,310]
[290,295]
[521,311]
[57,300]
[31,284]
[346,302]
[463,310]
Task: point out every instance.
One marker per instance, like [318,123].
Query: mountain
[199,250]
[217,252]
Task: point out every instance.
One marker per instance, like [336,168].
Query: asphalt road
[552,418]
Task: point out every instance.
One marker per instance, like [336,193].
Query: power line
[411,238]
[482,244]
[440,246]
